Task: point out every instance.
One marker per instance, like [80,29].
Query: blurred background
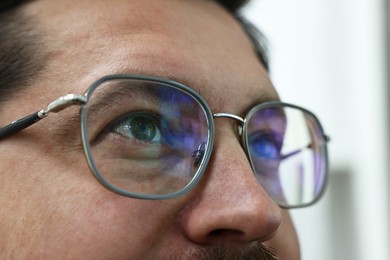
[331,56]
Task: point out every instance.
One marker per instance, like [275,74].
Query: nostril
[225,233]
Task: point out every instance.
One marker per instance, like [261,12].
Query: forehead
[194,41]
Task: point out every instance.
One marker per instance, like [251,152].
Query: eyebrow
[139,88]
[262,97]
[192,85]
[121,90]
[126,90]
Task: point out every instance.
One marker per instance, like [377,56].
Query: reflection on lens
[143,136]
[287,151]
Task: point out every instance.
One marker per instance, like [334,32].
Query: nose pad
[198,154]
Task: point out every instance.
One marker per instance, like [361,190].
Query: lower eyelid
[117,137]
[121,145]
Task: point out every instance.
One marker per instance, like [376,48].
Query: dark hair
[232,5]
[7,4]
[20,58]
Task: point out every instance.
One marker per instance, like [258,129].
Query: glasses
[152,138]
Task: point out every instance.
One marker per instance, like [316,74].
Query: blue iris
[265,146]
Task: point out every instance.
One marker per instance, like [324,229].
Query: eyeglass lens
[150,138]
[286,148]
[146,137]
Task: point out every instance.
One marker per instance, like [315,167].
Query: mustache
[257,251]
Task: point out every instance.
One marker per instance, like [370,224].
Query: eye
[140,126]
[265,145]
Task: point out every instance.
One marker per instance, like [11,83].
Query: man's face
[53,207]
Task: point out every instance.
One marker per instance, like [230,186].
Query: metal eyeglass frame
[81,100]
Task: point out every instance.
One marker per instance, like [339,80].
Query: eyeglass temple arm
[285,156]
[55,107]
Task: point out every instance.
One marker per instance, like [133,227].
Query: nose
[229,205]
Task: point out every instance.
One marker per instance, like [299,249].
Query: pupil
[143,128]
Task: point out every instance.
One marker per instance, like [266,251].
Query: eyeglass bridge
[232,116]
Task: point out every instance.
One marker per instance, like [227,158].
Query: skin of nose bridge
[240,122]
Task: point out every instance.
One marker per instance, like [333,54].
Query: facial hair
[255,252]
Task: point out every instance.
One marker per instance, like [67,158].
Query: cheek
[105,225]
[50,206]
[286,240]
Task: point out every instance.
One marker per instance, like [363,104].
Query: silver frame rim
[325,149]
[153,79]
